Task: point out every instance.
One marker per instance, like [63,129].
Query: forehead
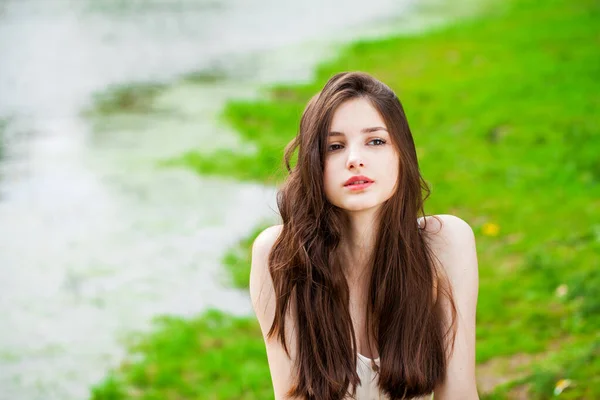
[354,115]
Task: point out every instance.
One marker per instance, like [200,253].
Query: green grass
[505,113]
[213,356]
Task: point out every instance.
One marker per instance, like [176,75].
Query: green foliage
[581,365]
[213,356]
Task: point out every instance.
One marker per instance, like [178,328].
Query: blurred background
[140,153]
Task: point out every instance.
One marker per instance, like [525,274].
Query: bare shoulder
[260,280]
[264,242]
[451,239]
[444,227]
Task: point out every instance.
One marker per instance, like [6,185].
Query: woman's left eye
[382,142]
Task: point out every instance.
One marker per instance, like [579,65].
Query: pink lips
[359,186]
[365,182]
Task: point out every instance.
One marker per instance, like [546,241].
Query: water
[94,238]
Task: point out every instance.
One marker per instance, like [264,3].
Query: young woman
[356,296]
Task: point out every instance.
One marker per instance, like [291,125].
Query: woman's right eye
[332,147]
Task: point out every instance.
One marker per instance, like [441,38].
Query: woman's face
[359,145]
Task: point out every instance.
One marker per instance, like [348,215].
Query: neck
[357,247]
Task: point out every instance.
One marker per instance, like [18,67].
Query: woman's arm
[454,246]
[263,302]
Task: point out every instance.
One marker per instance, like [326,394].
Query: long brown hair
[403,313]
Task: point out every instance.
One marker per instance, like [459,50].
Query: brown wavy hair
[402,311]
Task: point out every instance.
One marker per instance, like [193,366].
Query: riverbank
[504,112]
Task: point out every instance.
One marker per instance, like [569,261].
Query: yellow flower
[490,229]
[561,385]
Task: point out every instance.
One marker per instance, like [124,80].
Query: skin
[453,243]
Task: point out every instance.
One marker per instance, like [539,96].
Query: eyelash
[372,140]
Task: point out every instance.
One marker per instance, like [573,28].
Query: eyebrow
[364,130]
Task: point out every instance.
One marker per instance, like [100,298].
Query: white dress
[368,389]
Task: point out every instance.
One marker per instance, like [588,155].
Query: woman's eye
[380,142]
[334,147]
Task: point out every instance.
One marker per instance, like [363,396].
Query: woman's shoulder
[443,224]
[262,245]
[261,285]
[265,239]
[445,230]
[451,239]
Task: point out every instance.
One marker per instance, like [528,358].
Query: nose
[355,160]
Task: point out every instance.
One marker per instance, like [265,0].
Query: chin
[359,205]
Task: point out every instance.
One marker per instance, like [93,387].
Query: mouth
[358,180]
[358,185]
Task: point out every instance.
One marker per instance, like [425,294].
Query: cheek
[328,178]
[392,170]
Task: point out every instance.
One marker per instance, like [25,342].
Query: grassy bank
[505,113]
[214,356]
